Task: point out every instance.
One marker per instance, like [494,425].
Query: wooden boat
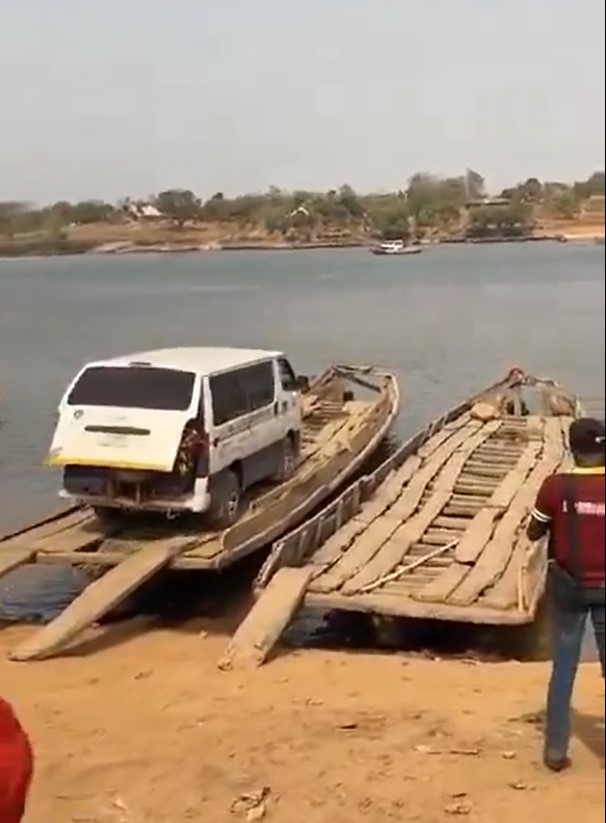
[437,531]
[341,429]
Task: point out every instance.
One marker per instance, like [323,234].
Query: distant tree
[13,214]
[88,211]
[592,187]
[389,217]
[350,201]
[564,204]
[433,200]
[474,185]
[531,191]
[179,205]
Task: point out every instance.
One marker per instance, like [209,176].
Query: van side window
[242,391]
[229,398]
[287,375]
[259,385]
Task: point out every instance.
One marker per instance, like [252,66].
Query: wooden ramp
[264,624]
[96,601]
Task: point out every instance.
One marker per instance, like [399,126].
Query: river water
[447,321]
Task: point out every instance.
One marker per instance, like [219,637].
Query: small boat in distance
[391,247]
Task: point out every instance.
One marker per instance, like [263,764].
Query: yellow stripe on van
[61,460]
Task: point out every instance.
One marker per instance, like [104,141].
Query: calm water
[447,321]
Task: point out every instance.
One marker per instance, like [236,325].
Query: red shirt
[16,766]
[550,508]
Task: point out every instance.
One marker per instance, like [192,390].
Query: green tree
[89,211]
[179,205]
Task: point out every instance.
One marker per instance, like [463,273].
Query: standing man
[570,508]
[16,766]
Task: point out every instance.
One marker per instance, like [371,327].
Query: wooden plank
[390,601]
[13,558]
[413,565]
[493,560]
[481,528]
[380,530]
[96,600]
[395,548]
[480,531]
[262,627]
[73,518]
[386,495]
[507,490]
[389,491]
[477,535]
[506,594]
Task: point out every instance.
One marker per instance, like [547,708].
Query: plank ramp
[261,629]
[96,600]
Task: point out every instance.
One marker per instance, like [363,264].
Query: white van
[177,430]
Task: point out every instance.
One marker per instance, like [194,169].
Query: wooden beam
[264,624]
[97,600]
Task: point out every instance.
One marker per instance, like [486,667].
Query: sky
[129,97]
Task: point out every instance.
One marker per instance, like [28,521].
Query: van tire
[288,461]
[225,501]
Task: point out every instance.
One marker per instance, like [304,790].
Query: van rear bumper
[197,502]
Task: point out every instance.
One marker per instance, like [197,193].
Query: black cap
[586,436]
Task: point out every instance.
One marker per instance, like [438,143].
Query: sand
[148,729]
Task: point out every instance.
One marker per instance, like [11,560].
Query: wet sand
[150,730]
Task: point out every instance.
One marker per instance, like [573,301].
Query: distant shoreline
[68,247]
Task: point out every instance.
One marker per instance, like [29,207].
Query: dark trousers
[569,630]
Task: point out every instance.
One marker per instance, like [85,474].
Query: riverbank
[160,238]
[151,730]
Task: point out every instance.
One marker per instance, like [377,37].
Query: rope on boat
[408,567]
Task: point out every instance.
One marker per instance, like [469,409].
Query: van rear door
[128,417]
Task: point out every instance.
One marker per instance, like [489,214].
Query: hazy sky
[131,96]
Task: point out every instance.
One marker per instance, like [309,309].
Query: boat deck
[442,537]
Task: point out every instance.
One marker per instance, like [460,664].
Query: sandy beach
[150,730]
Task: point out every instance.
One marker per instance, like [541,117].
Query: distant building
[143,211]
[487,201]
[593,206]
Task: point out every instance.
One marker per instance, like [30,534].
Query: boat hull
[436,532]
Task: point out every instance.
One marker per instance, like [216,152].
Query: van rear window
[133,387]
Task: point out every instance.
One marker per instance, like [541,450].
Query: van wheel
[225,502]
[288,461]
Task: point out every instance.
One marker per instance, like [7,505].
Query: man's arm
[540,519]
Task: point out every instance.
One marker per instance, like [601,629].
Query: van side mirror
[302,383]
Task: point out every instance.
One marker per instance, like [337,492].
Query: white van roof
[200,359]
